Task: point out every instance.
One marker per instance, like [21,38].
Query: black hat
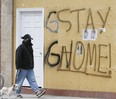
[27,36]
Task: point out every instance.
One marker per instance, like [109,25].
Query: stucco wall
[64,22]
[6,41]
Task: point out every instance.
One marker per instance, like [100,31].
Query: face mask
[28,41]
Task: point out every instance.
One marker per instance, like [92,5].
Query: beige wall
[99,77]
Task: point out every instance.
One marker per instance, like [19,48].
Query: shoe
[19,96]
[40,93]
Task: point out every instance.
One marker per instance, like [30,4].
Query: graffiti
[64,51]
[77,44]
[69,23]
[52,22]
[100,56]
[104,21]
[88,58]
[78,15]
[92,23]
[79,57]
[64,21]
[53,54]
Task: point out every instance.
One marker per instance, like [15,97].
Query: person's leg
[21,75]
[32,81]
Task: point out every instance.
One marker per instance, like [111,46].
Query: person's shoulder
[20,46]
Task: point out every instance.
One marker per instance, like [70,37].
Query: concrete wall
[65,24]
[6,41]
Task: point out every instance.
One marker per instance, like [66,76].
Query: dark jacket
[24,57]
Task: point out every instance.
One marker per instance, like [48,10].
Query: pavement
[29,96]
[32,96]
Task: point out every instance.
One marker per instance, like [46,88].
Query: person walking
[25,66]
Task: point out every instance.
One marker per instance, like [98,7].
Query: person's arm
[19,57]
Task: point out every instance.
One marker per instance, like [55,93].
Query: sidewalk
[28,96]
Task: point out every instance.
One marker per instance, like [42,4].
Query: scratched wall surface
[80,46]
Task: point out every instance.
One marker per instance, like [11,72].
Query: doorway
[31,21]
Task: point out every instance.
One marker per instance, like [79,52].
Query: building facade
[74,44]
[6,40]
